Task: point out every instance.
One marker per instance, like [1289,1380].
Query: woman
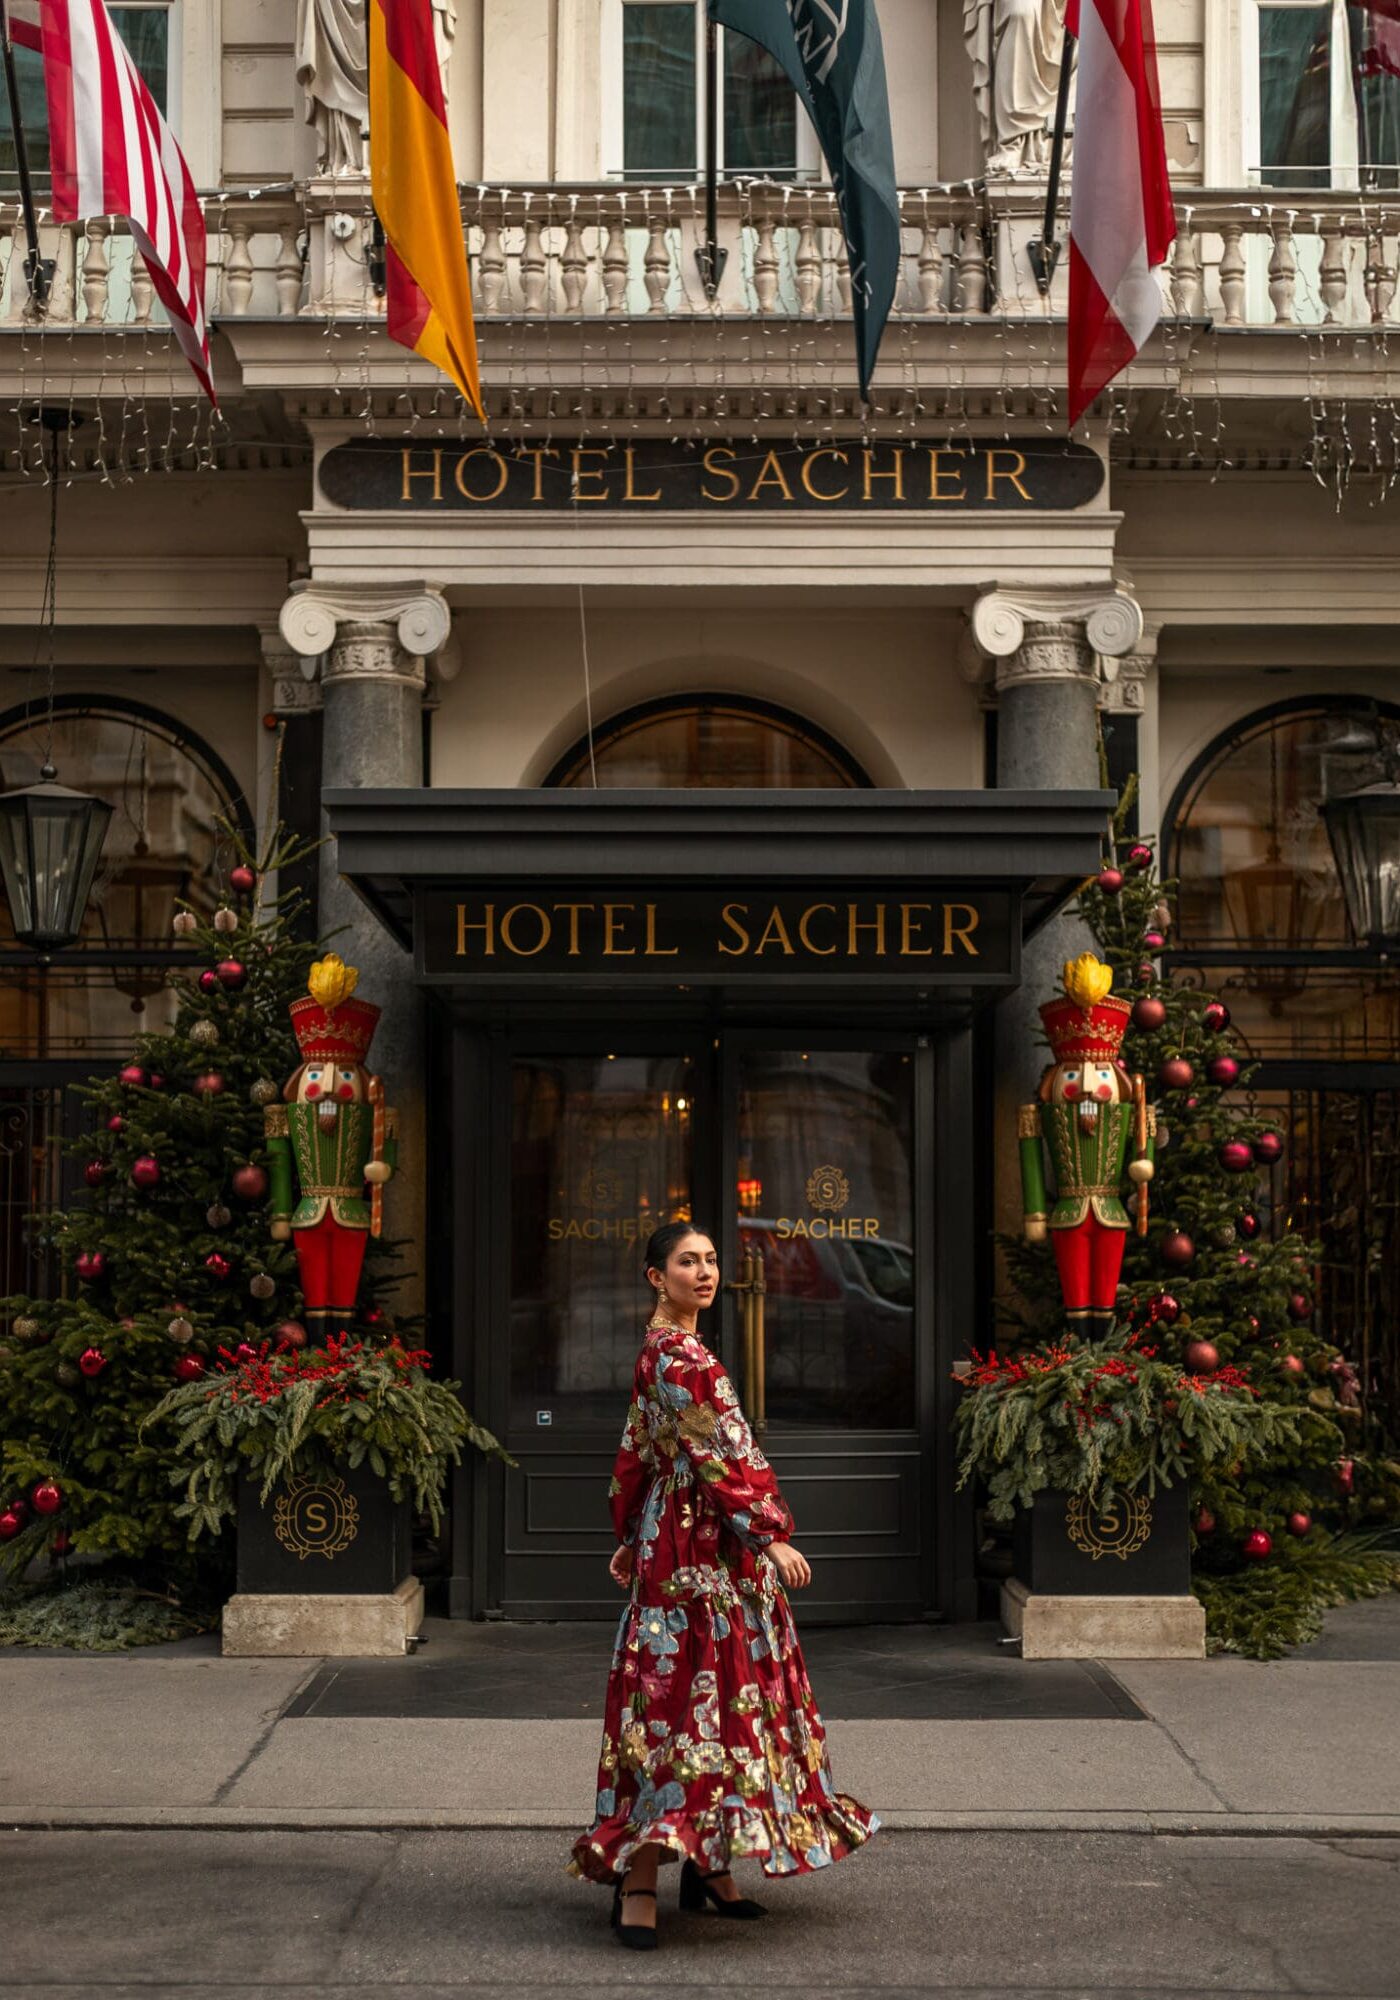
[712,1743]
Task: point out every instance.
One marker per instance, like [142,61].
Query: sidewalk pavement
[179,1737]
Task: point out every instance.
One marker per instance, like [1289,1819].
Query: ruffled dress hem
[784,1843]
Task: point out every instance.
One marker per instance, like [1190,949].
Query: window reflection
[709,742]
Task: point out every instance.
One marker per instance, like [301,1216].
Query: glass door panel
[825,1182]
[601,1152]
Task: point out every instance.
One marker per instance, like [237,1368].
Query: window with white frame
[654,111]
[1323,88]
[146,28]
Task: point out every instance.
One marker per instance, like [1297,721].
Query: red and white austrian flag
[1121,219]
[111,153]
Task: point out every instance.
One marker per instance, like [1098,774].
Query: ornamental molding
[1111,622]
[370,650]
[413,617]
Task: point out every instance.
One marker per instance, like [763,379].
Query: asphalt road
[427,1916]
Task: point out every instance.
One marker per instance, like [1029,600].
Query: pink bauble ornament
[249,1182]
[1257,1546]
[232,974]
[209,1084]
[242,879]
[46,1497]
[1223,1071]
[1139,857]
[116,1123]
[1299,1524]
[217,1264]
[1299,1308]
[92,1361]
[1176,1074]
[1268,1148]
[245,1351]
[1346,1475]
[208,980]
[90,1265]
[1205,1522]
[95,1172]
[1166,1308]
[10,1525]
[189,1368]
[1149,1013]
[1153,940]
[156,1081]
[1216,1018]
[1110,881]
[1248,1225]
[1235,1156]
[133,1076]
[1291,1365]
[290,1334]
[145,1171]
[1202,1357]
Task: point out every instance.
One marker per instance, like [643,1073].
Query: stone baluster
[656,265]
[1283,269]
[615,268]
[930,269]
[534,270]
[238,264]
[808,261]
[843,271]
[1232,272]
[492,265]
[573,266]
[288,270]
[1380,276]
[1332,273]
[1188,289]
[143,292]
[96,270]
[765,265]
[971,294]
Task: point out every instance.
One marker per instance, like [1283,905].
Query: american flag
[112,153]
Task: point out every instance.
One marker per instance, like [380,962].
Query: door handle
[744,1285]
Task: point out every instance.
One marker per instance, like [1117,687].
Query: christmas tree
[1219,1281]
[169,1260]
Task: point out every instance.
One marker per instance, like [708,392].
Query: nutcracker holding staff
[333,1139]
[1090,1116]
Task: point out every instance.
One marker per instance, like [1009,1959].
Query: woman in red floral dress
[712,1743]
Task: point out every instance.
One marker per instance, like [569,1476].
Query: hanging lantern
[1364,829]
[50,843]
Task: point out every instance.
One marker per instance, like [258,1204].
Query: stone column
[371,649]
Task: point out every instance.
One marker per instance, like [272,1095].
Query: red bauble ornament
[1205,1522]
[145,1171]
[10,1525]
[209,1084]
[1202,1358]
[1299,1308]
[1146,973]
[1248,1225]
[133,1075]
[156,1082]
[1299,1524]
[291,1333]
[1216,1018]
[1153,940]
[231,974]
[1166,1308]
[1110,881]
[1291,1365]
[245,1351]
[1139,857]
[1268,1147]
[208,980]
[1346,1475]
[188,1368]
[242,879]
[90,1265]
[1235,1156]
[1176,1074]
[1223,1071]
[374,1317]
[1253,1324]
[46,1497]
[1257,1546]
[218,1264]
[95,1172]
[249,1182]
[116,1123]
[1177,1249]
[62,1543]
[92,1361]
[1149,1013]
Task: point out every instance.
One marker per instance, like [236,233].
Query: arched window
[704,741]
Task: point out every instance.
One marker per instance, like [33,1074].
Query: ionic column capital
[414,617]
[1053,635]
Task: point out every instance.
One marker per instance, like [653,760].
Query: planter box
[1061,1547]
[332,1535]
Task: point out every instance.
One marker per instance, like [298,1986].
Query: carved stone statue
[444,34]
[331,69]
[1016,47]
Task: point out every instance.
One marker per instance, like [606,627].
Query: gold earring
[663,1297]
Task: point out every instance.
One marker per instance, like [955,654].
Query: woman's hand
[792,1566]
[620,1568]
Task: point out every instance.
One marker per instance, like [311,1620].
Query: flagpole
[711,259]
[38,270]
[1044,250]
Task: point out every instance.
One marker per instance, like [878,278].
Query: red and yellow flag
[415,194]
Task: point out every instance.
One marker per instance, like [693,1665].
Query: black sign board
[533,933]
[957,475]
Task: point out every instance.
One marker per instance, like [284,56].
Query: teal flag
[832,51]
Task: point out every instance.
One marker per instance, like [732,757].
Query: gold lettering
[459,473]
[771,473]
[591,1231]
[409,475]
[799,1228]
[938,472]
[1013,477]
[572,1233]
[962,932]
[871,475]
[854,926]
[631,492]
[539,452]
[508,918]
[817,951]
[653,949]
[776,930]
[556,1229]
[581,471]
[728,918]
[720,472]
[907,946]
[611,948]
[782,1229]
[316,1517]
[487,925]
[872,1225]
[819,1227]
[809,459]
[573,912]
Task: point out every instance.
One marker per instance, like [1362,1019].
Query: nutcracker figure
[1090,1116]
[334,1138]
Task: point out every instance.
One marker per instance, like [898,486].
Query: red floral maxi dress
[712,1743]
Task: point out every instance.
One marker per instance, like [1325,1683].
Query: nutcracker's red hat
[334,1034]
[1086,1033]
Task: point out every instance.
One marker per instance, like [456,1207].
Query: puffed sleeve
[631,1473]
[713,1431]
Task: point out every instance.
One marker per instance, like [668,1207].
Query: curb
[332,1819]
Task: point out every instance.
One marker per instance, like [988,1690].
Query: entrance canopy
[511,890]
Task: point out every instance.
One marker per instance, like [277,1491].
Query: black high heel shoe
[696,1892]
[638,1937]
